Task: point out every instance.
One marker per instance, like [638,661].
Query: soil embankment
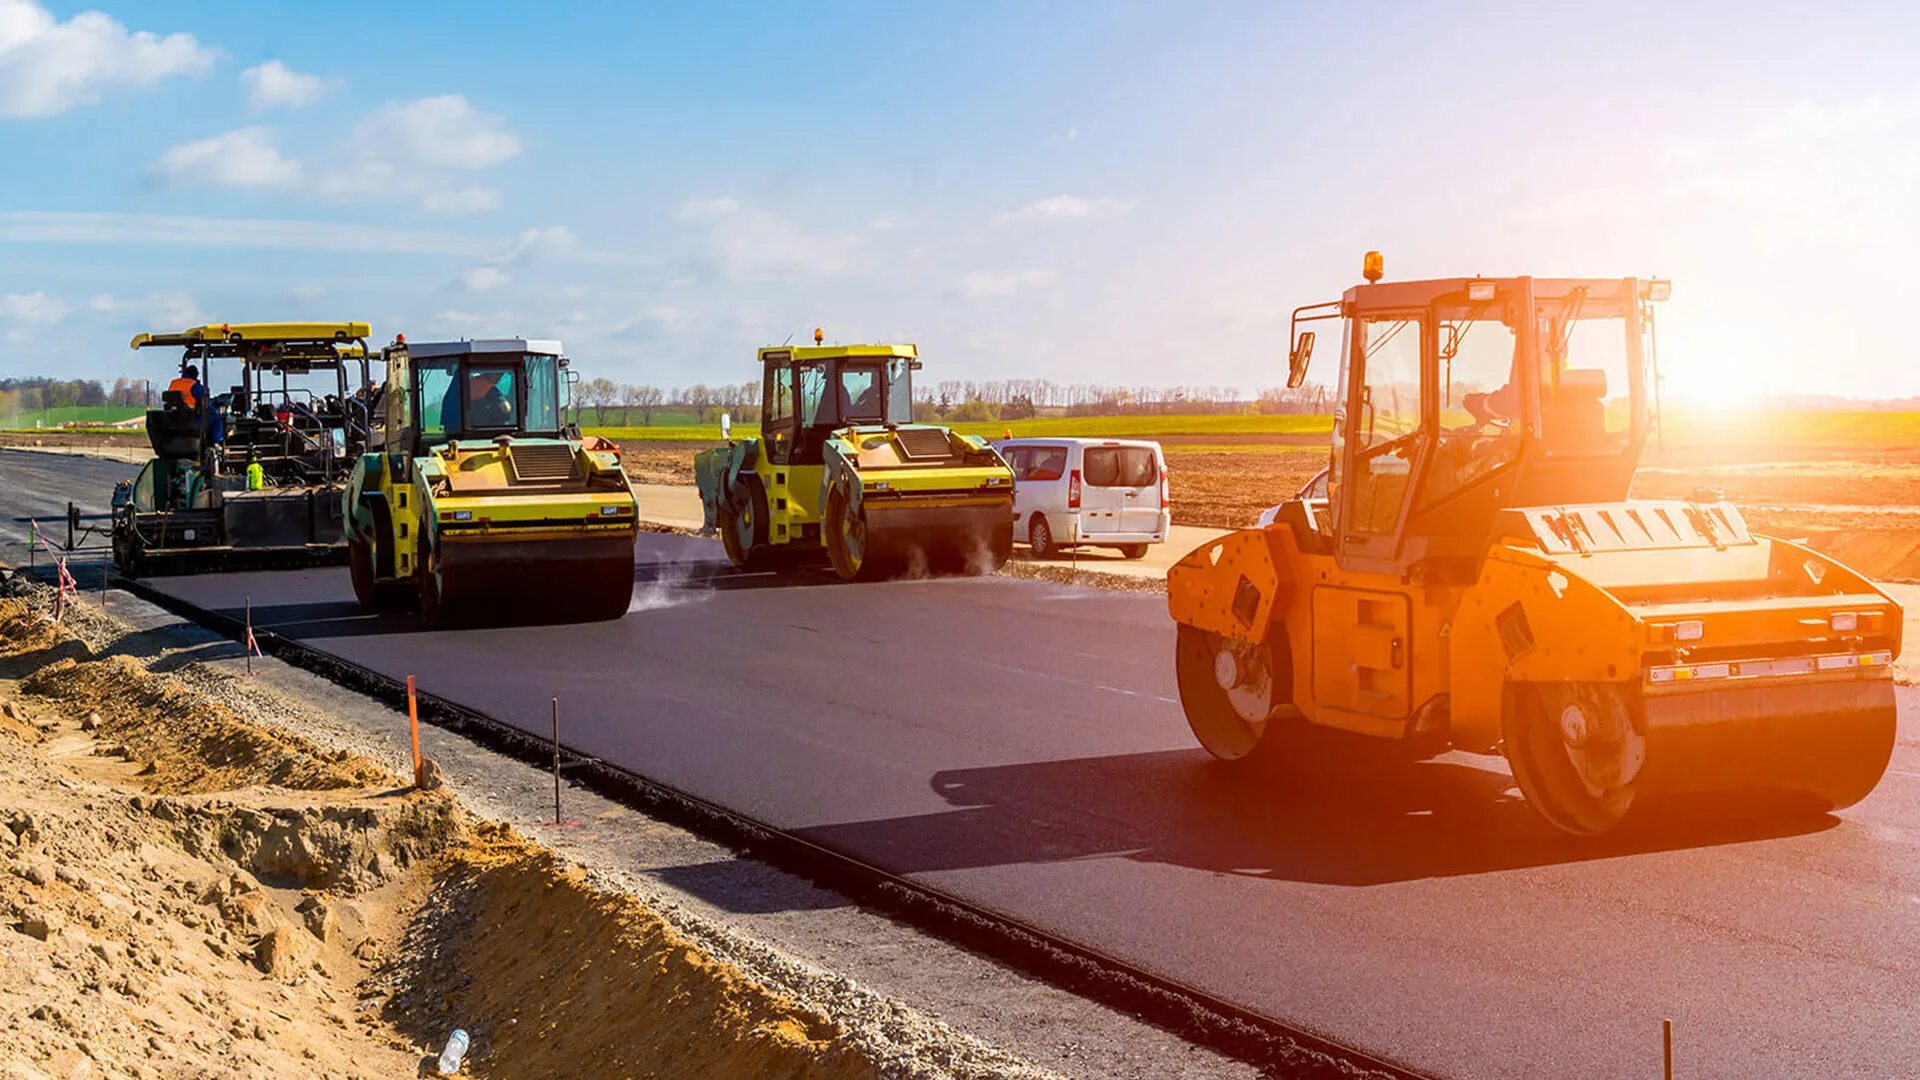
[187,891]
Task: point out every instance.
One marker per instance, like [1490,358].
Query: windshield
[861,398]
[439,398]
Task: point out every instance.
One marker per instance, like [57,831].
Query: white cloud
[48,67]
[462,201]
[158,230]
[536,243]
[1066,208]
[438,132]
[483,278]
[311,290]
[274,84]
[708,209]
[34,308]
[751,244]
[242,158]
[980,284]
[888,222]
[165,310]
[403,151]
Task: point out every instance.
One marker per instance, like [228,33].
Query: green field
[1090,427]
[69,414]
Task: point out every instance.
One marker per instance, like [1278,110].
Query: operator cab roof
[780,354]
[477,346]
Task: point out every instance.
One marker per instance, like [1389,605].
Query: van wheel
[1134,551]
[1040,538]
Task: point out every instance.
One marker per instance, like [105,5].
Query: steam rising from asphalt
[673,582]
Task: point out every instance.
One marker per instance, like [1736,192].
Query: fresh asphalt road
[1018,744]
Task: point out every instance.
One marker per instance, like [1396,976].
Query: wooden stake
[247,645]
[556,761]
[1666,1044]
[413,731]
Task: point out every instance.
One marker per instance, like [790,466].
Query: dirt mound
[553,976]
[188,743]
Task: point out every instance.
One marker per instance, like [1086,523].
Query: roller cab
[840,468]
[487,507]
[1473,576]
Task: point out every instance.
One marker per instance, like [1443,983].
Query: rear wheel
[1232,690]
[1577,751]
[433,602]
[1040,538]
[1134,551]
[743,525]
[360,567]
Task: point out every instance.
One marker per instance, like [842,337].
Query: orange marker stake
[413,730]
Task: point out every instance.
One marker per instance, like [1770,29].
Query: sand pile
[554,976]
[187,892]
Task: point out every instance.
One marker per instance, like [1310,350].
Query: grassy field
[1094,427]
[69,414]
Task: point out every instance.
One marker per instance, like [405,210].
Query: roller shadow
[1378,823]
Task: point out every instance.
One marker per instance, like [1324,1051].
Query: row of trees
[604,397]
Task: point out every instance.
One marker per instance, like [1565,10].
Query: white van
[1088,493]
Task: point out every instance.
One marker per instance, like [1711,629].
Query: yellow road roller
[840,465]
[1473,576]
[480,499]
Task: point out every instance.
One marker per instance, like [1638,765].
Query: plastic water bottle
[456,1050]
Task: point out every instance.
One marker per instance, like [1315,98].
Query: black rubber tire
[1133,551]
[1539,759]
[745,540]
[1040,538]
[1000,546]
[433,611]
[1211,715]
[360,568]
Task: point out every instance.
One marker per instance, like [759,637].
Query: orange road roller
[1471,575]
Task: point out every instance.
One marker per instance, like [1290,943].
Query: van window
[1121,466]
[1045,463]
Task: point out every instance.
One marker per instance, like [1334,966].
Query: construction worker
[192,391]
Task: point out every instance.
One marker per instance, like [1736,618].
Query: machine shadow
[1386,823]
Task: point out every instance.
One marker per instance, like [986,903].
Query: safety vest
[185,386]
[256,477]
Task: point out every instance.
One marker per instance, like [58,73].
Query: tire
[1000,547]
[1040,538]
[1133,551]
[1242,722]
[743,526]
[360,567]
[844,532]
[1577,752]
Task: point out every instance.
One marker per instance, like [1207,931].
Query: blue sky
[1115,193]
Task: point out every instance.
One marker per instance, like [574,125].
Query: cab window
[543,393]
[779,403]
[811,376]
[439,397]
[1480,398]
[1385,420]
[860,394]
[900,391]
[490,397]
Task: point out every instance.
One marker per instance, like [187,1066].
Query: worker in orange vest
[192,390]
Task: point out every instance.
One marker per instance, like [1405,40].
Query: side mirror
[726,426]
[1297,360]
